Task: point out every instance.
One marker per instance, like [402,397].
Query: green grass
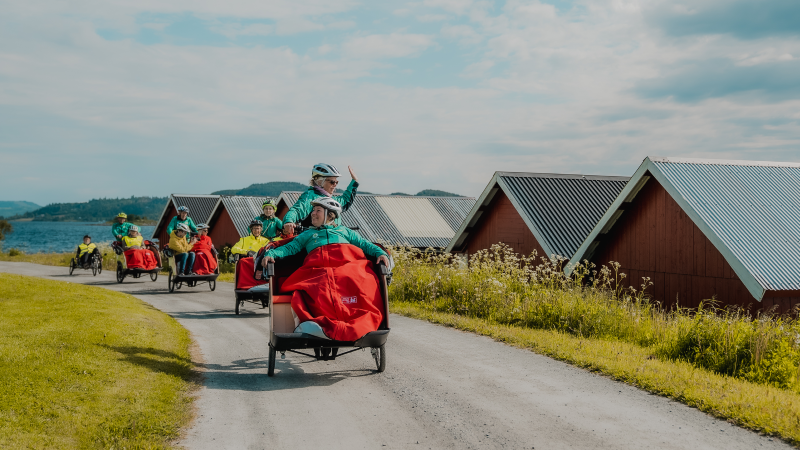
[84,367]
[529,300]
[759,407]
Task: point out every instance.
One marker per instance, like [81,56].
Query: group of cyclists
[194,251]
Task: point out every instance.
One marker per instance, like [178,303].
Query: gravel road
[442,388]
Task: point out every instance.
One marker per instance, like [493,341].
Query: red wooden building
[706,228]
[230,221]
[548,213]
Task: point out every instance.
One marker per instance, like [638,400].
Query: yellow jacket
[249,244]
[179,244]
[86,248]
[129,242]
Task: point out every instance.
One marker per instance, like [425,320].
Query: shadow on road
[158,361]
[217,314]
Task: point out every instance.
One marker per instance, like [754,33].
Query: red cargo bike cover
[139,258]
[244,274]
[337,288]
[205,263]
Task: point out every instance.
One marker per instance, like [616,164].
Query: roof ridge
[571,176]
[721,162]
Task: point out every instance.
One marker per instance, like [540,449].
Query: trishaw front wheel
[379,353]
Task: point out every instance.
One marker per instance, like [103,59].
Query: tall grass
[505,288]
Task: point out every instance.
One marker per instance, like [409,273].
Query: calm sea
[58,237]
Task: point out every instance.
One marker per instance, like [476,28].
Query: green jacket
[120,229]
[302,208]
[175,221]
[317,237]
[272,227]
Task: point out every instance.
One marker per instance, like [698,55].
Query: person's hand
[267,259]
[288,229]
[352,174]
[384,260]
[119,237]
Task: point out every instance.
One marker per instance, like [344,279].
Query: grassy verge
[84,367]
[759,407]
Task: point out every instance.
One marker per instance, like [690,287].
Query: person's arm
[300,210]
[347,197]
[238,249]
[172,224]
[191,224]
[78,252]
[292,248]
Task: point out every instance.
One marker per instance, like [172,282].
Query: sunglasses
[334,182]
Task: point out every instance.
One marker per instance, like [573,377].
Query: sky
[106,98]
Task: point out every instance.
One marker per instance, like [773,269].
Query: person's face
[180,233]
[269,211]
[87,241]
[330,184]
[183,215]
[318,216]
[121,219]
[133,233]
[256,231]
[202,232]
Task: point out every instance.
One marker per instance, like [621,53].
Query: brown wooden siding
[282,209]
[501,222]
[161,232]
[655,238]
[222,230]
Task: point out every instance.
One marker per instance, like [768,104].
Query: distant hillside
[97,210]
[271,189]
[435,193]
[8,209]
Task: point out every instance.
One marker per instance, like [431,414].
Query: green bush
[15,252]
[503,287]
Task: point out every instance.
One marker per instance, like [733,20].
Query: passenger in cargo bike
[184,256]
[336,287]
[136,255]
[205,262]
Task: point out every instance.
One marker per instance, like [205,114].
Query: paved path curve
[442,388]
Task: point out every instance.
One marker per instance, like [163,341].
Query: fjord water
[58,237]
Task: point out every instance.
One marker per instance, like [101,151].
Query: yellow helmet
[123,215]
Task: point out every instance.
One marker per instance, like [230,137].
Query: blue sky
[106,99]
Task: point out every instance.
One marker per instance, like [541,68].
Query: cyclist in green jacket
[121,227]
[324,231]
[272,225]
[324,179]
[182,217]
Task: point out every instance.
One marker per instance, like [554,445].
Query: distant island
[98,210]
[8,209]
[274,189]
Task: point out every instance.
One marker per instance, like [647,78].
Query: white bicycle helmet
[183,227]
[202,226]
[183,208]
[325,170]
[133,228]
[329,204]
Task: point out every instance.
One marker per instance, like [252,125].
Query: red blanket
[244,274]
[337,289]
[205,263]
[138,258]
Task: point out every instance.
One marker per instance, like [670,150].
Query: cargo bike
[285,336]
[176,280]
[123,268]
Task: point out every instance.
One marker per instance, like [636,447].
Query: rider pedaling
[121,226]
[271,225]
[324,179]
[182,218]
[85,251]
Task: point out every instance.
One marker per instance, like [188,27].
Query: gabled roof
[242,209]
[559,209]
[749,210]
[402,220]
[201,207]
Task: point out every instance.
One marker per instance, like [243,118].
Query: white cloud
[464,34]
[393,45]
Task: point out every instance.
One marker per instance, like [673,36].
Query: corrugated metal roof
[559,209]
[242,210]
[754,209]
[749,210]
[563,208]
[401,220]
[200,206]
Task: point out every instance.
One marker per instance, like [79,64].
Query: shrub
[503,287]
[15,252]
